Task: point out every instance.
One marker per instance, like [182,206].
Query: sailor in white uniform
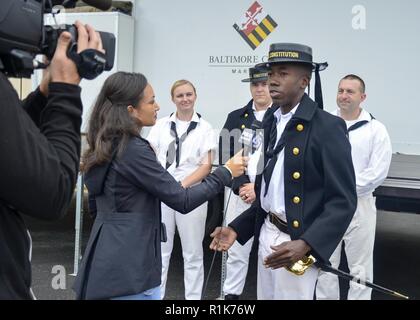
[184,143]
[371,154]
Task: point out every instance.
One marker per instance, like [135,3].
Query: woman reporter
[126,184]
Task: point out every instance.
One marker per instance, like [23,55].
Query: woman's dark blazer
[123,255]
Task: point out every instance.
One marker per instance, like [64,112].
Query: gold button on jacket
[296,175]
[242,126]
[296,224]
[300,127]
[296,200]
[296,151]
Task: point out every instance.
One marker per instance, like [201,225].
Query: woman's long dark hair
[110,125]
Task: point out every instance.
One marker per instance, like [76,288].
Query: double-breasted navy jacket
[319,181]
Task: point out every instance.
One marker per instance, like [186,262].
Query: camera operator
[40,150]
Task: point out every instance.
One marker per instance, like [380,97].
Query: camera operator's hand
[62,68]
[46,79]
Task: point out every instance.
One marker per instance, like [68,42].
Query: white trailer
[196,39]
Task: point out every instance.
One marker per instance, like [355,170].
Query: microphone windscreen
[249,138]
[246,137]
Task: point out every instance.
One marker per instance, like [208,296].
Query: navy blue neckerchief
[359,124]
[273,151]
[174,148]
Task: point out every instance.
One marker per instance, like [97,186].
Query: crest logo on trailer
[255,26]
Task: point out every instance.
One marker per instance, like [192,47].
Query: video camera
[23,36]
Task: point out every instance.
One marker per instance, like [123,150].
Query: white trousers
[238,255]
[191,229]
[280,284]
[359,241]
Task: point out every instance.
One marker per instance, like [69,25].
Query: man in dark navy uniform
[237,121]
[242,118]
[306,195]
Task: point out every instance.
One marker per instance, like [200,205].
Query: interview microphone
[250,139]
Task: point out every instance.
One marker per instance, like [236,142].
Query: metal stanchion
[228,193]
[78,225]
[223,274]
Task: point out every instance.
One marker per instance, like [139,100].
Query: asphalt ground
[396,257]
